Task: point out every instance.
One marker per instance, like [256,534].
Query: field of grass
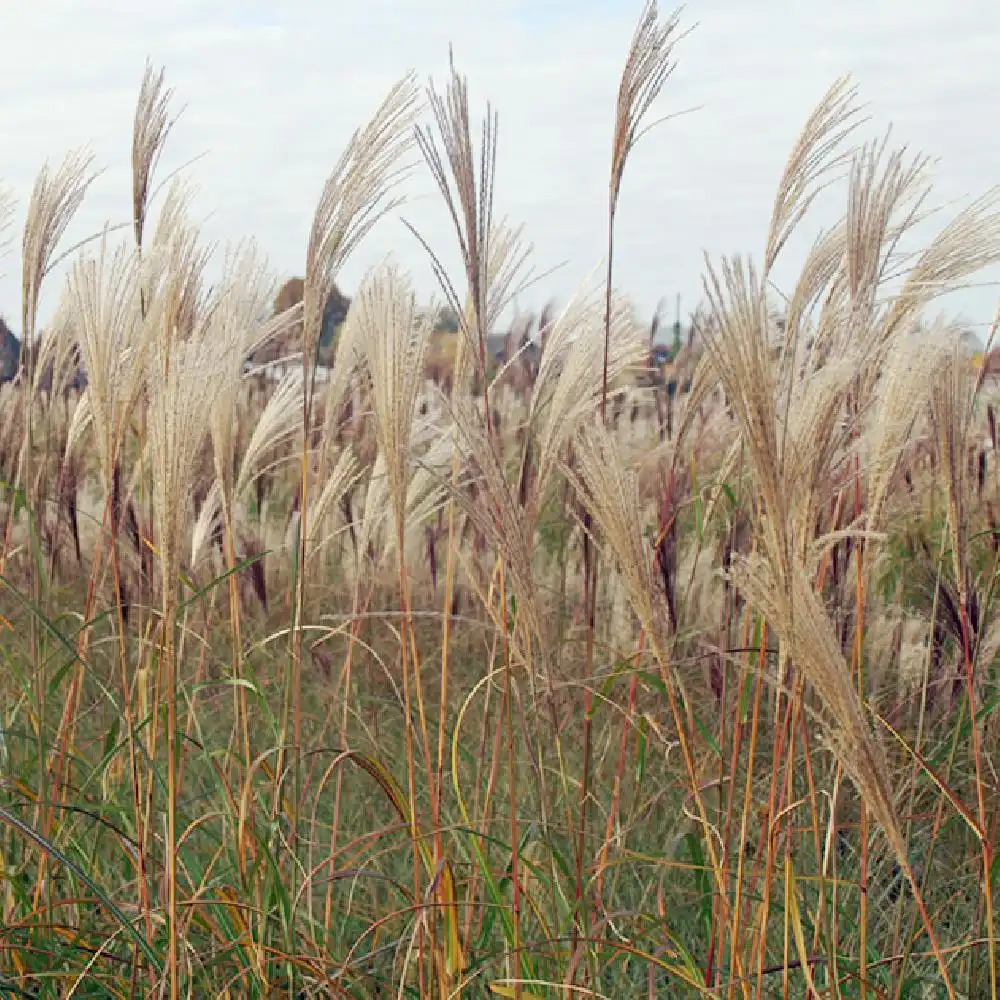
[546,686]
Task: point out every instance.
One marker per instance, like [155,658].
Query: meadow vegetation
[534,687]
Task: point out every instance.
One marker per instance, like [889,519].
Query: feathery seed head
[55,199]
[344,476]
[237,326]
[174,266]
[113,338]
[58,351]
[966,245]
[817,153]
[393,338]
[951,398]
[357,194]
[279,420]
[609,492]
[150,128]
[568,383]
[900,395]
[179,388]
[649,63]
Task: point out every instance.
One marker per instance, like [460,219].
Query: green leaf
[49,848]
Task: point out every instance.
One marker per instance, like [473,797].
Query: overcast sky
[271,93]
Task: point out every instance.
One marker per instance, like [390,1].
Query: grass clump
[538,681]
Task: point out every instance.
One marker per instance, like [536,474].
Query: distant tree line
[10,352]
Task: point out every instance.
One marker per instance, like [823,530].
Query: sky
[270,93]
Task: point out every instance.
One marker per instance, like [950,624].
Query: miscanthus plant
[538,678]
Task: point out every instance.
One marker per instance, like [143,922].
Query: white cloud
[272,92]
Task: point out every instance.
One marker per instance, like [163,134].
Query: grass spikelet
[348,362]
[493,254]
[393,340]
[816,154]
[822,267]
[900,396]
[277,423]
[55,199]
[208,515]
[345,474]
[610,495]
[497,512]
[179,384]
[649,63]
[468,197]
[818,435]
[376,509]
[150,128]
[113,342]
[237,327]
[966,245]
[58,352]
[794,610]
[880,186]
[79,423]
[507,273]
[428,487]
[570,378]
[358,193]
[950,409]
[739,345]
[174,267]
[884,201]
